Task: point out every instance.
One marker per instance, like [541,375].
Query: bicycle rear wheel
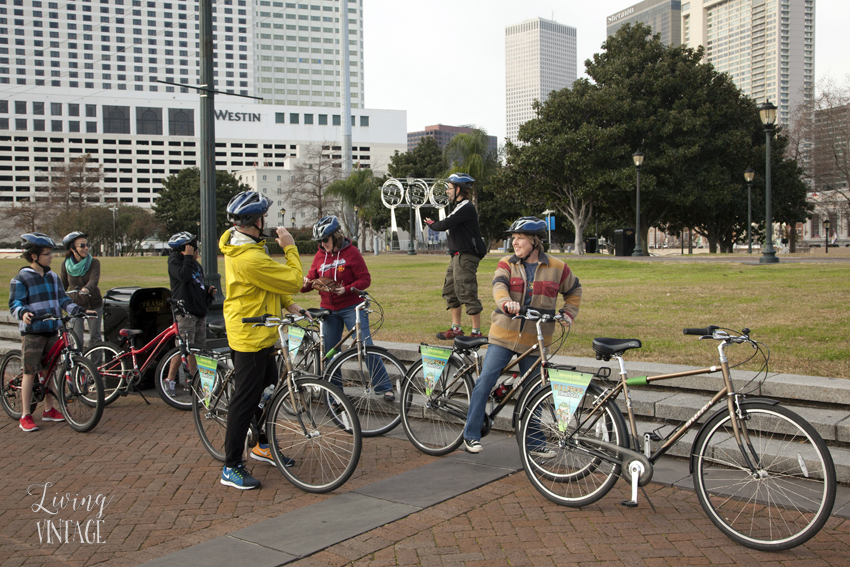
[360,377]
[80,393]
[180,397]
[434,421]
[562,468]
[325,443]
[211,417]
[787,500]
[114,370]
[11,371]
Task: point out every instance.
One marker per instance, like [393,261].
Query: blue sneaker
[238,477]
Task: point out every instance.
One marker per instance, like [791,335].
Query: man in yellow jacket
[255,285]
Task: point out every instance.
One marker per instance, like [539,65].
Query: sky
[443,61]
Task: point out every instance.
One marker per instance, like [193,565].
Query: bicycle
[311,426]
[356,370]
[435,396]
[66,375]
[121,372]
[762,473]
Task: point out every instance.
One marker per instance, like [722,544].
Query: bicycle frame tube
[156,344]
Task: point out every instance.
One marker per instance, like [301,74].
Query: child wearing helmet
[81,272]
[528,278]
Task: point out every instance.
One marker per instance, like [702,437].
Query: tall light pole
[638,159]
[547,213]
[293,219]
[767,113]
[826,225]
[113,209]
[282,217]
[749,174]
[411,250]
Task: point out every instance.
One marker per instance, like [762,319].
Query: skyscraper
[663,16]
[540,57]
[766,46]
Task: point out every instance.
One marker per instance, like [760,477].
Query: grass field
[799,310]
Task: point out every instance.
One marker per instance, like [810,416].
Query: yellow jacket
[254,285]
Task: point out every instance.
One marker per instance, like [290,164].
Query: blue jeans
[496,359]
[332,330]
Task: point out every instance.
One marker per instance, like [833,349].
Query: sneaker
[472,446]
[450,334]
[238,477]
[263,452]
[27,424]
[476,334]
[389,396]
[52,415]
[542,453]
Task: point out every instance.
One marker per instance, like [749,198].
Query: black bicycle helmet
[180,239]
[462,180]
[32,240]
[528,225]
[69,239]
[245,208]
[325,227]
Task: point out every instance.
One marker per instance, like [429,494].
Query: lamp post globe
[637,157]
[749,175]
[767,113]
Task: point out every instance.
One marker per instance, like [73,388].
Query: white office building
[81,77]
[540,57]
[766,46]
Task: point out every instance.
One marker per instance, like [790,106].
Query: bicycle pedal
[629,504]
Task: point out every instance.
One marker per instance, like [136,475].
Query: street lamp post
[638,159]
[547,213]
[293,220]
[411,250]
[826,225]
[113,209]
[767,113]
[749,174]
[282,217]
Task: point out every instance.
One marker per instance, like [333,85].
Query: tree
[75,185]
[470,153]
[96,222]
[133,225]
[357,192]
[423,161]
[31,216]
[310,179]
[178,206]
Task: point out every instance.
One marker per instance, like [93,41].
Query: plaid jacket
[40,295]
[551,279]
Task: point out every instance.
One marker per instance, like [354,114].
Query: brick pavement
[165,497]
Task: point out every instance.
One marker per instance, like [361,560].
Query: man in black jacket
[187,284]
[461,284]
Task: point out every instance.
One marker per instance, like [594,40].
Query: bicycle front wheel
[11,371]
[179,394]
[434,416]
[790,495]
[114,370]
[564,469]
[364,379]
[210,416]
[323,441]
[80,393]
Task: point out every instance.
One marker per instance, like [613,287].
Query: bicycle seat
[316,312]
[604,348]
[218,328]
[467,343]
[130,332]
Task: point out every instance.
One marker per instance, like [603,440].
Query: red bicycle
[122,373]
[66,375]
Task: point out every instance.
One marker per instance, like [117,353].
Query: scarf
[77,269]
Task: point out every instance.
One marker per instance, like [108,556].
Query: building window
[38,125]
[280,118]
[293,118]
[116,119]
[38,108]
[337,120]
[20,123]
[55,109]
[91,127]
[73,109]
[308,119]
[91,111]
[148,121]
[364,121]
[20,107]
[55,125]
[181,122]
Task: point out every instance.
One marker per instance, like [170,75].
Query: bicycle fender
[767,401]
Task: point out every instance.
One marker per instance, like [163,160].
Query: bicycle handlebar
[700,332]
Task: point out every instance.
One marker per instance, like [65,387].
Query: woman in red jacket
[338,272]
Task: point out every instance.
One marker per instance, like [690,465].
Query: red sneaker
[52,415]
[475,335]
[450,334]
[27,424]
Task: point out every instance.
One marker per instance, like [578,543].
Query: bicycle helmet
[69,239]
[461,179]
[528,225]
[245,208]
[325,227]
[32,240]
[180,239]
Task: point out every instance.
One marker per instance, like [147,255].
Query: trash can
[590,245]
[143,308]
[624,241]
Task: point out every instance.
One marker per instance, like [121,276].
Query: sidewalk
[162,504]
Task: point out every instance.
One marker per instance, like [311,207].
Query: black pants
[253,372]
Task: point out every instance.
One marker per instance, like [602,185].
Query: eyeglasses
[84,245]
[326,239]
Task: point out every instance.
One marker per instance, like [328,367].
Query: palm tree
[356,192]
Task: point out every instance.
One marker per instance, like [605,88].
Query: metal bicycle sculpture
[414,193]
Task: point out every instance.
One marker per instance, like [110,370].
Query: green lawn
[799,310]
